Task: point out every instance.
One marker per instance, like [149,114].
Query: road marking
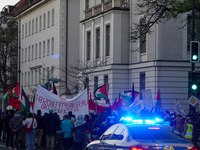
[2,146]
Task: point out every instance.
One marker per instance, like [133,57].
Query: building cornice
[32,8]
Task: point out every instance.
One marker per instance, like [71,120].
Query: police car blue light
[130,120]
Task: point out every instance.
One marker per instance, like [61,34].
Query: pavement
[3,147]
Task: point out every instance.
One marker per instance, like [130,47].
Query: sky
[7,2]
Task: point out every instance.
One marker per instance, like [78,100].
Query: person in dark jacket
[7,120]
[1,124]
[39,129]
[79,138]
[51,121]
[4,128]
[15,125]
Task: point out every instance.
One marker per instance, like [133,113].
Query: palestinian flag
[25,104]
[101,92]
[15,91]
[158,103]
[128,97]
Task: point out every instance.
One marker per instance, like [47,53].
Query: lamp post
[4,25]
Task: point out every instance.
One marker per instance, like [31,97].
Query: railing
[105,6]
[97,10]
[88,13]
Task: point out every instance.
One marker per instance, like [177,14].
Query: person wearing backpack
[30,125]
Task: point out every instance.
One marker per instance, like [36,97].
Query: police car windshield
[155,133]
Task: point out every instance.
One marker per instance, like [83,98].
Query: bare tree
[8,55]
[156,11]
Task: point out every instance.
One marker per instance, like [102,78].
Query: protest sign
[147,99]
[45,100]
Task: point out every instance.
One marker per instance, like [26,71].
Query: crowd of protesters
[32,131]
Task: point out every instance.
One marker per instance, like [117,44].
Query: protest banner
[45,100]
[147,99]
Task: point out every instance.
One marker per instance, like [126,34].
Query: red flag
[158,98]
[11,99]
[13,102]
[54,89]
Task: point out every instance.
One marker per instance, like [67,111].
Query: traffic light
[194,84]
[194,51]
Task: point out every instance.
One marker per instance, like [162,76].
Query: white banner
[45,100]
[147,99]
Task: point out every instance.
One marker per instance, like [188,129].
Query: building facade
[162,62]
[49,33]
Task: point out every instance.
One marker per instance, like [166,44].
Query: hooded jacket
[16,123]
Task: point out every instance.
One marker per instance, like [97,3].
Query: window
[36,24]
[48,47]
[142,37]
[88,45]
[35,76]
[22,55]
[142,83]
[40,49]
[52,71]
[118,134]
[32,52]
[108,133]
[48,72]
[29,53]
[52,45]
[40,23]
[22,31]
[53,16]
[26,30]
[108,40]
[31,77]
[22,79]
[29,28]
[33,26]
[48,18]
[25,79]
[97,43]
[44,21]
[43,75]
[35,51]
[43,48]
[87,4]
[25,54]
[28,78]
[95,83]
[106,81]
[39,76]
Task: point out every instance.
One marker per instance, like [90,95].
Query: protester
[7,120]
[1,125]
[67,125]
[39,129]
[51,121]
[72,117]
[188,129]
[111,117]
[15,125]
[179,122]
[167,118]
[4,128]
[79,138]
[31,124]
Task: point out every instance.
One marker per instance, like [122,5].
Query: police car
[141,134]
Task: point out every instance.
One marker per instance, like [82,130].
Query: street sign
[48,86]
[55,80]
[193,100]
